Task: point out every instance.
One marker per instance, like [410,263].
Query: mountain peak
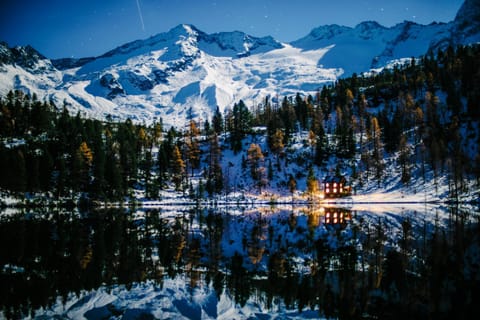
[324,32]
[236,44]
[369,25]
[469,11]
[24,56]
[467,21]
[184,29]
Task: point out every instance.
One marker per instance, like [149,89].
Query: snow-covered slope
[370,45]
[185,69]
[170,73]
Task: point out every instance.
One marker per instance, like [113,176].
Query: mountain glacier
[186,71]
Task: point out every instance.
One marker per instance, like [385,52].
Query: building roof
[332,179]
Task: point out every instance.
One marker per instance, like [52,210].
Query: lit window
[335,220]
[335,190]
[341,189]
[326,185]
[328,190]
[334,214]
[335,184]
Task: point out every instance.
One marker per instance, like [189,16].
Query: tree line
[45,149]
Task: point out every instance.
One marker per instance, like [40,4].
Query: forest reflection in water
[341,262]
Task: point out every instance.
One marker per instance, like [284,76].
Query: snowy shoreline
[357,200]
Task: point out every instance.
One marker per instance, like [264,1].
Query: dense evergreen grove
[426,111]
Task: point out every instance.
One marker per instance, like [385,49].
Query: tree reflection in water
[341,263]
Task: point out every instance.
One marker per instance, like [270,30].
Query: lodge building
[335,187]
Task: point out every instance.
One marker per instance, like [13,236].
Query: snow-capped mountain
[172,72]
[370,45]
[186,69]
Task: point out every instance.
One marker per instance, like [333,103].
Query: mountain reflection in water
[338,262]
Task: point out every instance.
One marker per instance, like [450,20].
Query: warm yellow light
[335,190]
[328,190]
[335,184]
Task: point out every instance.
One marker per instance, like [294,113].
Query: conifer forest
[428,119]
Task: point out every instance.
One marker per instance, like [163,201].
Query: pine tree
[404,158]
[240,121]
[418,123]
[288,118]
[192,145]
[255,160]
[114,174]
[178,168]
[377,149]
[129,148]
[17,171]
[312,182]
[217,121]
[61,177]
[349,97]
[292,185]
[82,161]
[312,141]
[277,143]
[321,148]
[151,187]
[207,129]
[143,139]
[301,111]
[270,170]
[163,164]
[215,174]
[33,172]
[98,163]
[46,169]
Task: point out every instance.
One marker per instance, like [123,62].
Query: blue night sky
[62,28]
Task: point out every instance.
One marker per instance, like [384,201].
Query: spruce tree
[255,160]
[377,149]
[312,182]
[217,121]
[178,168]
[292,185]
[404,159]
[192,145]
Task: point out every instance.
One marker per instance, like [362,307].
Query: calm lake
[366,261]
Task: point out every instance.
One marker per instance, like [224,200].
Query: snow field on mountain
[157,75]
[164,75]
